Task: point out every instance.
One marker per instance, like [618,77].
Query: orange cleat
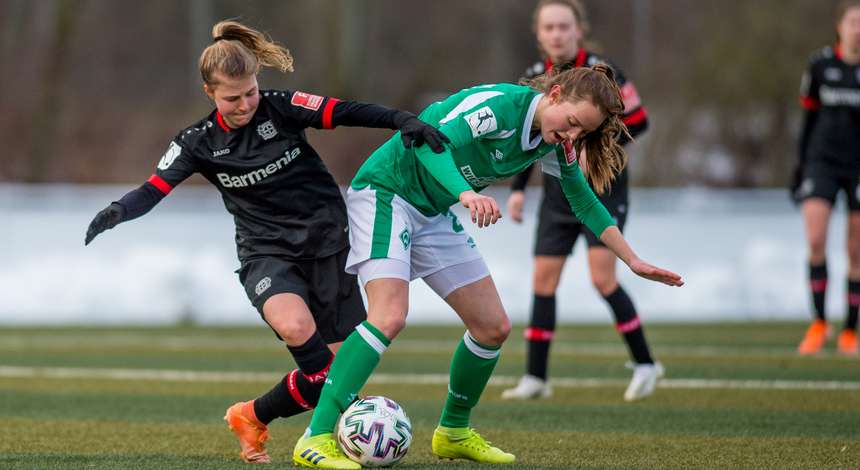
[847,343]
[816,335]
[251,432]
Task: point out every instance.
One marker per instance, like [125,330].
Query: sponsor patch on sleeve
[306,100]
[569,152]
[173,151]
[482,121]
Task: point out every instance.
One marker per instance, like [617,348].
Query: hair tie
[219,38]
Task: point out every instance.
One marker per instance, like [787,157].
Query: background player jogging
[401,228]
[290,216]
[829,161]
[561,28]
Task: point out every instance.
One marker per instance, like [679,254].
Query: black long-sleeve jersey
[635,117]
[830,94]
[283,199]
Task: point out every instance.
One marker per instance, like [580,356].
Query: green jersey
[490,129]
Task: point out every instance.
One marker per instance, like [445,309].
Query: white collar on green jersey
[527,126]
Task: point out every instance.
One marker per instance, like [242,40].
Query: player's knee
[390,322]
[494,334]
[293,330]
[817,247]
[605,284]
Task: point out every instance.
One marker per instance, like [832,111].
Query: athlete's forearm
[612,238]
[443,169]
[585,204]
[138,202]
[521,179]
[356,114]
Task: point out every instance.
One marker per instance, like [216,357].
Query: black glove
[106,219]
[416,133]
[794,184]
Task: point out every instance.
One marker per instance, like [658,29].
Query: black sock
[299,390]
[539,335]
[627,323]
[853,304]
[818,286]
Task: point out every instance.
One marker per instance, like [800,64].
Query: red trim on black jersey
[160,184]
[547,66]
[581,55]
[221,122]
[635,117]
[327,113]
[837,51]
[809,103]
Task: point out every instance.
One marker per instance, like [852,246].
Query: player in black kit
[829,161]
[291,224]
[560,27]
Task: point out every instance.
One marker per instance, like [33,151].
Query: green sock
[471,367]
[352,366]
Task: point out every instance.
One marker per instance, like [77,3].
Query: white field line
[407,379]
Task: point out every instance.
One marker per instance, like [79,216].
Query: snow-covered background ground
[741,254]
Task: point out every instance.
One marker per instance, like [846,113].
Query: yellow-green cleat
[321,451]
[467,444]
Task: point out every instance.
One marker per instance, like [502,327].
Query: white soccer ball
[374,432]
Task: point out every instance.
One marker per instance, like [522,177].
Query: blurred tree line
[93,90]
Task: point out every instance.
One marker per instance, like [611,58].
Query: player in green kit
[401,228]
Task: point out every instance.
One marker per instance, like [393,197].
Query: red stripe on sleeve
[159,183]
[809,104]
[327,113]
[636,117]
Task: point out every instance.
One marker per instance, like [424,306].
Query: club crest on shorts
[263,285]
[404,238]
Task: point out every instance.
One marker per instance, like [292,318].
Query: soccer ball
[374,432]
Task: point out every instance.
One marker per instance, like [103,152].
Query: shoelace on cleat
[475,441]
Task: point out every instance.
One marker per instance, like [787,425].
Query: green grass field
[736,396]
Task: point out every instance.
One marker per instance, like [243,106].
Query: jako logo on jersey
[267,130]
[482,121]
[221,152]
[497,155]
[254,177]
[306,100]
[263,285]
[173,151]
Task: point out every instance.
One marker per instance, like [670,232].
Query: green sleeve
[581,198]
[443,169]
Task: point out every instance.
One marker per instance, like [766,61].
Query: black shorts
[558,229]
[331,294]
[824,181]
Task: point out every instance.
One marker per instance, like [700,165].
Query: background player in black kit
[289,213]
[829,161]
[561,27]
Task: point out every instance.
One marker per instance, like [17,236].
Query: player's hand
[654,273]
[515,205]
[483,209]
[106,219]
[416,133]
[794,184]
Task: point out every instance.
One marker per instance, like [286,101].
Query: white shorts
[382,226]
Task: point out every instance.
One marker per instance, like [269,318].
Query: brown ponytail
[239,51]
[604,156]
